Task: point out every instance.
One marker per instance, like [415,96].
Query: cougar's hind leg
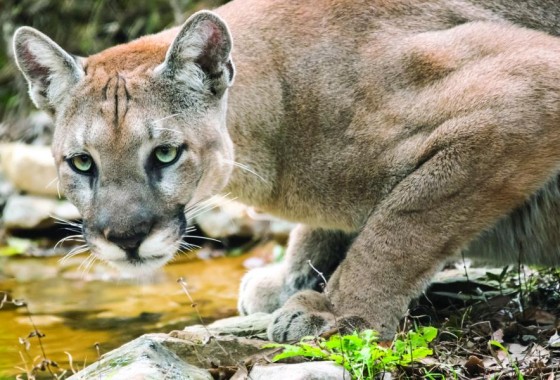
[309,251]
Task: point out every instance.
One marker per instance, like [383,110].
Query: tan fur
[397,132]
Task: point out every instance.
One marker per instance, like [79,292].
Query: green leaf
[499,345]
[429,333]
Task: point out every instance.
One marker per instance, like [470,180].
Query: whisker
[58,189]
[84,263]
[91,264]
[51,182]
[167,117]
[64,221]
[210,200]
[71,229]
[216,203]
[74,252]
[70,238]
[181,252]
[190,229]
[87,265]
[244,167]
[201,237]
[198,205]
[189,246]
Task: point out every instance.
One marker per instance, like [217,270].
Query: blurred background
[78,306]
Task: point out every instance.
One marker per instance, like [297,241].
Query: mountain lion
[398,133]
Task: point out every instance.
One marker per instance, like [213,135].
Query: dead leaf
[474,366]
[540,316]
[498,336]
[540,353]
[517,351]
[554,340]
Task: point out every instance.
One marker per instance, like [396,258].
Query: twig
[181,281]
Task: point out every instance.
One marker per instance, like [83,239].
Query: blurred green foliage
[82,27]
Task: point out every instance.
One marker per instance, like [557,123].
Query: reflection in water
[76,312]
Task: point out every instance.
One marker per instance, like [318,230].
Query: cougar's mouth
[152,254]
[137,260]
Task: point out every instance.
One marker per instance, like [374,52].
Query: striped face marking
[115,100]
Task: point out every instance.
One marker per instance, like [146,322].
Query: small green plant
[361,353]
[494,343]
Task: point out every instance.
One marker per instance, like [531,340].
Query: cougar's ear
[49,70]
[200,55]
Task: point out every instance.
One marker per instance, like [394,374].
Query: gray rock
[301,371]
[7,190]
[28,212]
[225,342]
[253,325]
[232,218]
[30,168]
[229,218]
[172,356]
[145,358]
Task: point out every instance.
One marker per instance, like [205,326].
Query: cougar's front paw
[260,290]
[292,324]
[305,313]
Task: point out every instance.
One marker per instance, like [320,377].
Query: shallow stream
[77,311]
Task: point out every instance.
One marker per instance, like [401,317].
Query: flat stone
[29,212]
[225,342]
[253,325]
[300,371]
[145,358]
[29,168]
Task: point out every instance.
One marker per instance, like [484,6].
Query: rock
[225,345]
[7,190]
[253,325]
[143,358]
[232,218]
[154,356]
[280,229]
[225,342]
[301,371]
[27,212]
[30,168]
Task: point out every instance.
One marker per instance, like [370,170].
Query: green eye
[166,154]
[81,163]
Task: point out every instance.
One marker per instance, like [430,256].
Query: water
[75,312]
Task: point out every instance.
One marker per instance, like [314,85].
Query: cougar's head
[140,132]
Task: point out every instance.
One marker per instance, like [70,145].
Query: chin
[144,267]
